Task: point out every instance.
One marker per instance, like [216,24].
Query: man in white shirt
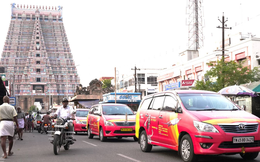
[66,112]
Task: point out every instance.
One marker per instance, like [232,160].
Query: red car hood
[115,118]
[218,117]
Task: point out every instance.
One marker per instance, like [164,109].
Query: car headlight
[108,123]
[78,122]
[204,127]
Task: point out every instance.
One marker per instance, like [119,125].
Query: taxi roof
[193,91]
[181,92]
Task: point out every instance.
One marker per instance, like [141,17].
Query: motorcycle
[61,136]
[45,128]
[38,125]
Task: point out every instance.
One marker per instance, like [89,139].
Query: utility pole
[135,78]
[224,26]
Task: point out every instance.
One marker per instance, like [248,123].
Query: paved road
[36,148]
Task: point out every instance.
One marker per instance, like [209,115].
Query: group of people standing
[12,120]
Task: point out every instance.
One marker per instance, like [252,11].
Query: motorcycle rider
[46,120]
[66,112]
[38,118]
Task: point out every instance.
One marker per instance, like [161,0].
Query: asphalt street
[36,148]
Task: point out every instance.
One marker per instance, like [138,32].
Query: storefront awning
[254,86]
[257,89]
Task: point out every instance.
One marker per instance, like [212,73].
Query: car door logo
[173,122]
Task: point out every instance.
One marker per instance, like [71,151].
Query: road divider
[89,143]
[128,157]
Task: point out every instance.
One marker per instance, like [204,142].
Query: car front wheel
[144,145]
[186,149]
[101,135]
[90,135]
[249,156]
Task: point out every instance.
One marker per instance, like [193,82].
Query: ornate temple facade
[37,57]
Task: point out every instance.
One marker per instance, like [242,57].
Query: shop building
[146,81]
[241,49]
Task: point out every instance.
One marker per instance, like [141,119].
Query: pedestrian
[26,121]
[243,107]
[8,116]
[30,122]
[21,121]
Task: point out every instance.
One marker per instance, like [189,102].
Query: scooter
[61,136]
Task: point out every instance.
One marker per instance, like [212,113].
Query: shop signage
[170,75]
[172,86]
[122,98]
[187,82]
[165,76]
[12,101]
[240,56]
[150,90]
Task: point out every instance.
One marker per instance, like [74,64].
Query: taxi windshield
[207,102]
[81,113]
[117,110]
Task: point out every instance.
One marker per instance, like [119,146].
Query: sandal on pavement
[4,157]
[10,154]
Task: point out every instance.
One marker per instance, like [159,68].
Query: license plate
[126,129]
[45,126]
[243,139]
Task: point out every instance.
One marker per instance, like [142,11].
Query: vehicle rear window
[81,113]
[206,102]
[117,110]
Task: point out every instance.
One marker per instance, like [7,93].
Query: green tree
[33,108]
[106,83]
[107,87]
[223,74]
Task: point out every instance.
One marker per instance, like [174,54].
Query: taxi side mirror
[179,110]
[97,113]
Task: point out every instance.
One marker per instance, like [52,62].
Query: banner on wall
[187,82]
[172,86]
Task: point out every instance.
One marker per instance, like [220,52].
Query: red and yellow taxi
[196,123]
[111,120]
[80,120]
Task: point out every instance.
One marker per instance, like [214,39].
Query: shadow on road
[116,140]
[164,152]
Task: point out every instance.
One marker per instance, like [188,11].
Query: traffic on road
[181,125]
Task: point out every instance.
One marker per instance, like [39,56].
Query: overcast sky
[104,34]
